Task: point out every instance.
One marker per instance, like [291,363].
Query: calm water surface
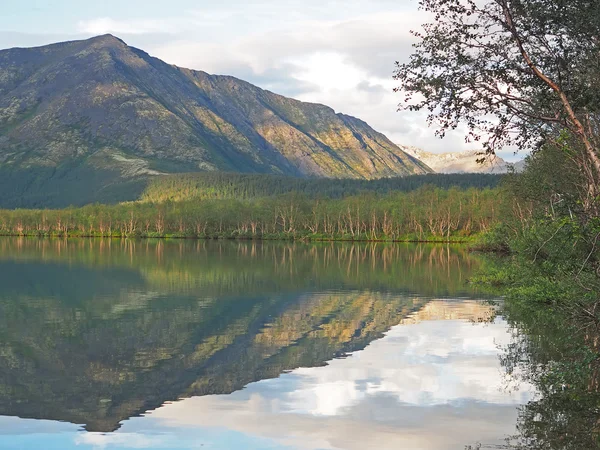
[240,345]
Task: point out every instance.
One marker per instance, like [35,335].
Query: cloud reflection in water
[429,384]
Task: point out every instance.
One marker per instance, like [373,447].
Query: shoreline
[461,241]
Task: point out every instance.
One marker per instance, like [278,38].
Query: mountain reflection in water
[95,332]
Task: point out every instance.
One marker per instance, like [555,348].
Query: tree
[517,72]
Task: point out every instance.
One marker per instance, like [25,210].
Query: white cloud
[329,71]
[104,25]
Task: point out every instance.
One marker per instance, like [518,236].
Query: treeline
[72,184]
[220,185]
[427,214]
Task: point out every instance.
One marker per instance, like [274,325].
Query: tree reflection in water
[561,361]
[97,331]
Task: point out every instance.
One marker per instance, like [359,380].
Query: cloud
[278,79]
[104,25]
[372,43]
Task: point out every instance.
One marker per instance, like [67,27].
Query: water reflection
[95,332]
[562,362]
[427,385]
[223,268]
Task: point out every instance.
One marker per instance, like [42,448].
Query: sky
[340,53]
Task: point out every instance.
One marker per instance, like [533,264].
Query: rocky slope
[91,116]
[461,162]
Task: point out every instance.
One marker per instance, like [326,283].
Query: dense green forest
[66,185]
[228,205]
[219,185]
[425,214]
[77,185]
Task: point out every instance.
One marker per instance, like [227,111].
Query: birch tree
[516,72]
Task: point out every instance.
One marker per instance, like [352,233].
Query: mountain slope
[461,162]
[97,115]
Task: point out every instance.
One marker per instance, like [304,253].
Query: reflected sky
[432,382]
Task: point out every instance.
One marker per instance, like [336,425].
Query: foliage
[425,214]
[221,185]
[519,72]
[551,286]
[554,348]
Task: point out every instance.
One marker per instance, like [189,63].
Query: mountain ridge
[462,161]
[100,105]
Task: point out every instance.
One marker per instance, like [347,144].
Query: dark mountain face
[97,117]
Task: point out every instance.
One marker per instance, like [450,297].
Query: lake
[124,344]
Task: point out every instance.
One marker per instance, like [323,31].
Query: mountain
[91,120]
[461,162]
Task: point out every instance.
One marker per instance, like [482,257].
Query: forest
[437,207]
[426,214]
[219,185]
